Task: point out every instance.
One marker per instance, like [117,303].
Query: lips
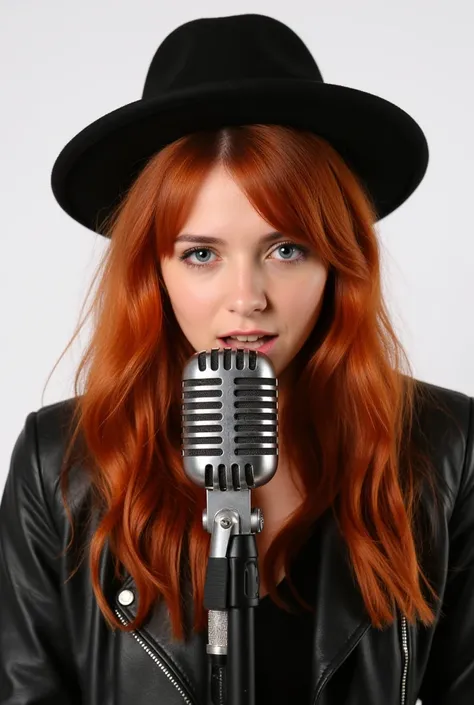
[264,345]
[246,332]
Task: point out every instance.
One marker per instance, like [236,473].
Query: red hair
[348,452]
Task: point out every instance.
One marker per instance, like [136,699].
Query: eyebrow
[186,237]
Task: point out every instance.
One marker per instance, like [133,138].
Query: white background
[63,64]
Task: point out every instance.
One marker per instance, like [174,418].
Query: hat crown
[223,49]
[237,70]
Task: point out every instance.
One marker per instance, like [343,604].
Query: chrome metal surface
[217,632]
[126,597]
[229,411]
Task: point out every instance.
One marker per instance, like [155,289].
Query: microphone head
[229,419]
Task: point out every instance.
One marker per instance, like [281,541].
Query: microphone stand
[231,594]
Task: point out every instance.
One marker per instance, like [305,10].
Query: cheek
[304,300]
[190,302]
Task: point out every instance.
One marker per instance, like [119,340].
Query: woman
[367,554]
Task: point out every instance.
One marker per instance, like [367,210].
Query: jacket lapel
[340,621]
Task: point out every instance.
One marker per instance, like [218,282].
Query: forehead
[219,199]
[221,214]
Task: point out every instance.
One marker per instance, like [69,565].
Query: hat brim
[380,142]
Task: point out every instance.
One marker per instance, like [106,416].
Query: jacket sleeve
[449,678]
[34,663]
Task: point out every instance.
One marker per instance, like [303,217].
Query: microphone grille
[229,418]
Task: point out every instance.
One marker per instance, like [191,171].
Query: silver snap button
[126,597]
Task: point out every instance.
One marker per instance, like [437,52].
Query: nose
[246,289]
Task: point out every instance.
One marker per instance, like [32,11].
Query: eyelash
[185,256]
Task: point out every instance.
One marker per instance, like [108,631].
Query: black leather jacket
[56,648]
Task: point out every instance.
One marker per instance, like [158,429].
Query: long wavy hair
[349,452]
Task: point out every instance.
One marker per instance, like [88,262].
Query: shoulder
[444,428]
[52,427]
[38,455]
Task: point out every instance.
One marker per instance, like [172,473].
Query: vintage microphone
[229,447]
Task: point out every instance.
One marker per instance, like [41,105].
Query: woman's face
[242,283]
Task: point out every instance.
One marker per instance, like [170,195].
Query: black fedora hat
[237,70]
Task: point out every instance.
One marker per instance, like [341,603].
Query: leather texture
[56,648]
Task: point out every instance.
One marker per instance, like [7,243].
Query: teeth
[246,338]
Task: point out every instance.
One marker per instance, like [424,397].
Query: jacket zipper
[406,655]
[152,655]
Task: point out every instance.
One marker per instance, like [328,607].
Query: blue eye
[186,255]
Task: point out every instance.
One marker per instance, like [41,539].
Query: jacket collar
[340,620]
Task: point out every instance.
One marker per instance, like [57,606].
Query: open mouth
[264,343]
